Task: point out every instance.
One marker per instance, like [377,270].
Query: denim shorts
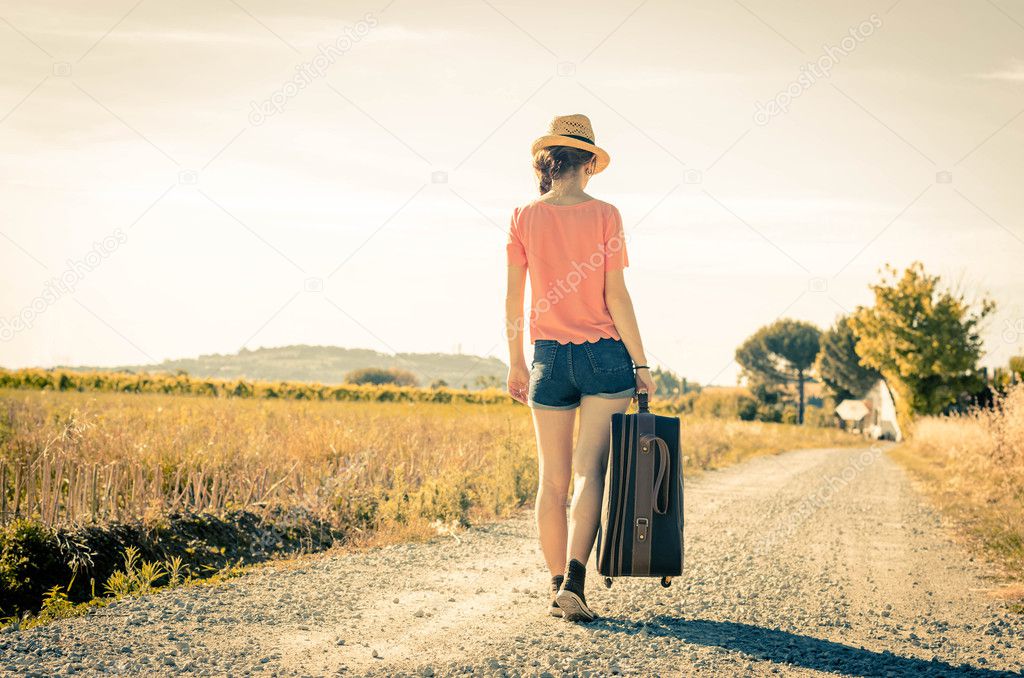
[561,374]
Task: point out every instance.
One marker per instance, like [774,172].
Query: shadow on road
[782,647]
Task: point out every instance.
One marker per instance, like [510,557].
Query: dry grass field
[973,466]
[97,457]
[70,457]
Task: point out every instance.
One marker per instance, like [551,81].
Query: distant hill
[327,365]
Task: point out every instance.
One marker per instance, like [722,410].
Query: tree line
[183,384]
[922,337]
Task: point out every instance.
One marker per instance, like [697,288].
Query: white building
[874,415]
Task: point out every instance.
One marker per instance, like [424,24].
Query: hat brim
[603,159]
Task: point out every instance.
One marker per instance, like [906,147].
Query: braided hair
[553,162]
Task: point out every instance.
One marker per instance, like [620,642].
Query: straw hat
[575,131]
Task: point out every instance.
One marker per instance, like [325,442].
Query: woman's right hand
[519,382]
[644,382]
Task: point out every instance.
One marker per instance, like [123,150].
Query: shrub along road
[806,563]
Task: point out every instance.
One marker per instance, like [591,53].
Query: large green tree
[923,338]
[778,354]
[839,365]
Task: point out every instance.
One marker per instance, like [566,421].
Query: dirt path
[808,563]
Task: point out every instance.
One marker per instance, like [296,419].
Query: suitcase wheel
[666,581]
[607,582]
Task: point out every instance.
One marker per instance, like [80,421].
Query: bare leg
[554,460]
[589,461]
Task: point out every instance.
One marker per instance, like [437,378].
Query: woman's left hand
[645,382]
[519,382]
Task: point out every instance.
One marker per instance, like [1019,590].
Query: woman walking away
[587,353]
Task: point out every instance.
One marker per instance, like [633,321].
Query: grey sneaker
[556,583]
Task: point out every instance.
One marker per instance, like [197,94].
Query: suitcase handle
[641,402]
[659,493]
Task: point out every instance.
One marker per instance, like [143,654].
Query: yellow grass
[402,469]
[105,456]
[973,467]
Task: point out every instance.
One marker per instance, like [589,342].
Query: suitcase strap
[651,493]
[660,490]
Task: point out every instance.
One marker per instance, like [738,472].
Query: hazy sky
[142,168]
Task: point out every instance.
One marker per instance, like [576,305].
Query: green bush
[30,565]
[377,376]
[34,559]
[722,403]
[820,416]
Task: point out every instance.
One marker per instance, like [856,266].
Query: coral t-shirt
[567,249]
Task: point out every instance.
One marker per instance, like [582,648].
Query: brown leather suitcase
[641,531]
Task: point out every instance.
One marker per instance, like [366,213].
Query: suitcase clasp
[641,528]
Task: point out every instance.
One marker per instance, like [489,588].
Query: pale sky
[323,222]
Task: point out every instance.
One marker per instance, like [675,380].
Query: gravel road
[807,563]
